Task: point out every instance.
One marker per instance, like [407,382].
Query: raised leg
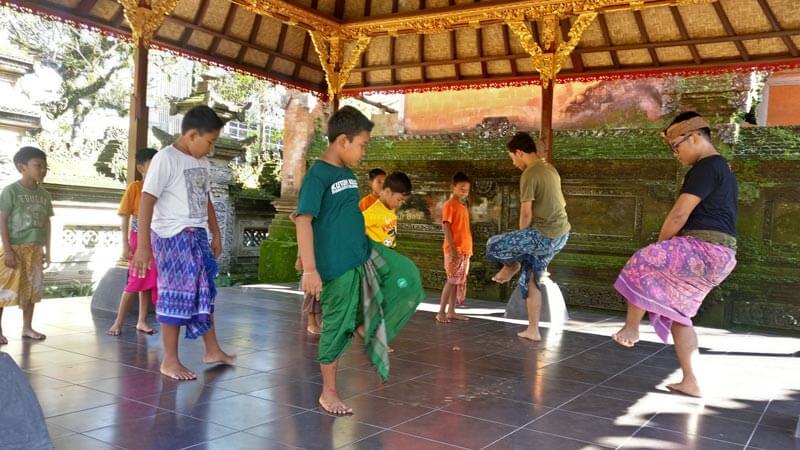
[629,334]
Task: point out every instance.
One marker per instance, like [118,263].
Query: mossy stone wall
[619,186]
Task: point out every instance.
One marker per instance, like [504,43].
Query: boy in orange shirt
[457,249]
[145,287]
[376,178]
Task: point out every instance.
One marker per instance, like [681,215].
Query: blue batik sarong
[186,271]
[530,248]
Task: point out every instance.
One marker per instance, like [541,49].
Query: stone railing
[86,237]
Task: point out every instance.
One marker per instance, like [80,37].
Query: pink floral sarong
[457,270]
[150,280]
[670,279]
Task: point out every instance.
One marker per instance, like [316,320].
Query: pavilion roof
[438,44]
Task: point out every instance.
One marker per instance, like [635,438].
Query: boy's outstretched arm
[311,282]
[143,257]
[10,258]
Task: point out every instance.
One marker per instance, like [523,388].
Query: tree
[94,76]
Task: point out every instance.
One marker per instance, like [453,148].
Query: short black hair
[522,141]
[398,182]
[375,173]
[348,121]
[145,154]
[686,115]
[201,118]
[28,153]
[460,177]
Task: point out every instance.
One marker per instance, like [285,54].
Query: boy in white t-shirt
[176,207]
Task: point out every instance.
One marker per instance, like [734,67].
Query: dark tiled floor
[460,385]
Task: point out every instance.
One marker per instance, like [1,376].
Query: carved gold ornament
[337,68]
[549,64]
[145,16]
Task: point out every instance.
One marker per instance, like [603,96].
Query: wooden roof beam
[676,15]
[601,18]
[643,31]
[235,40]
[582,50]
[726,24]
[665,68]
[278,47]
[85,7]
[226,28]
[198,19]
[776,26]
[506,48]
[251,41]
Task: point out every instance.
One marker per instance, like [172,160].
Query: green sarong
[382,294]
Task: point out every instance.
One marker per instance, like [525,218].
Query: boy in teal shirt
[363,288]
[25,211]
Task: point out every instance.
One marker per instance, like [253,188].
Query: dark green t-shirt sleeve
[310,199]
[7,200]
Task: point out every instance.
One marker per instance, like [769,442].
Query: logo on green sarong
[402,283]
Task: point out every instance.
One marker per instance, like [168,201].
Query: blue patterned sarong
[186,271]
[529,247]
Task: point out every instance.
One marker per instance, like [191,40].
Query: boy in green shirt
[25,211]
[363,288]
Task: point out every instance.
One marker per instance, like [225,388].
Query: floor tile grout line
[755,428]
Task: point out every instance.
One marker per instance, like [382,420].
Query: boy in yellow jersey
[380,219]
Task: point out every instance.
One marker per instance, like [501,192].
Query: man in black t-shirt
[695,252]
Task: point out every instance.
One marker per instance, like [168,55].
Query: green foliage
[74,289]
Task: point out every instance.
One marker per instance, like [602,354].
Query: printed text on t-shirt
[342,185]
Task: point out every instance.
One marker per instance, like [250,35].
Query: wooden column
[334,103]
[547,120]
[137,132]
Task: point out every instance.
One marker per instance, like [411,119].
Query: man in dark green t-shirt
[543,228]
[363,288]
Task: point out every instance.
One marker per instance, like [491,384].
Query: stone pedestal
[554,309]
[109,289]
[22,425]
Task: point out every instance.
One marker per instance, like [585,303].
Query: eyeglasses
[675,145]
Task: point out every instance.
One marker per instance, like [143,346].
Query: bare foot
[454,316]
[690,388]
[33,334]
[145,328]
[115,330]
[218,357]
[506,273]
[530,334]
[626,337]
[441,318]
[331,403]
[177,371]
[313,329]
[3,340]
